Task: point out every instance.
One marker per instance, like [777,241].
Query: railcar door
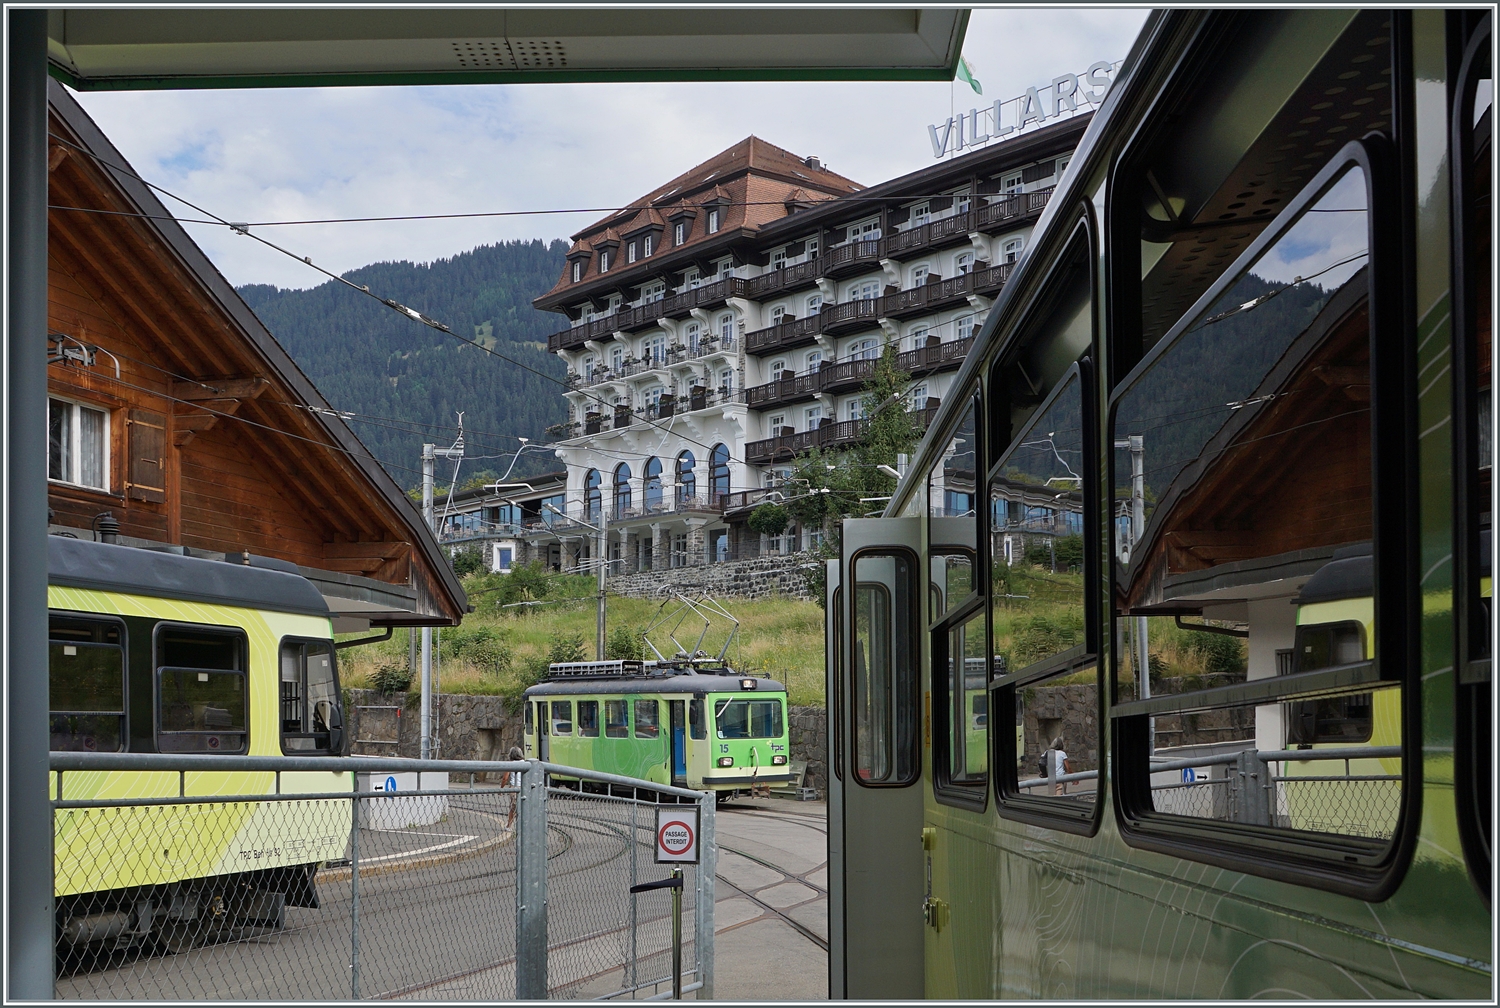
[677,712]
[875,797]
[544,734]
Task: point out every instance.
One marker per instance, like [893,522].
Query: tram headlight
[747,684]
[726,761]
[778,761]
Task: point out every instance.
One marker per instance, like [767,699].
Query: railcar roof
[689,682]
[79,563]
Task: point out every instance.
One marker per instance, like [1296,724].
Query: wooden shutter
[146,468]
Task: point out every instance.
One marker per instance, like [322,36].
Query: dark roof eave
[272,354]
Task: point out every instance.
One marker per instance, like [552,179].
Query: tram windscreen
[748,719]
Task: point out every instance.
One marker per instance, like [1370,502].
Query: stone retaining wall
[807,729]
[756,578]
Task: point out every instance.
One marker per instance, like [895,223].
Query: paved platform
[761,955]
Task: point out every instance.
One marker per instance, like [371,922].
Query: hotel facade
[727,322]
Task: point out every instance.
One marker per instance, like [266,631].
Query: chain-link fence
[365,878]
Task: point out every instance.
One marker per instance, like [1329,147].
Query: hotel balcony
[936,234]
[850,375]
[831,434]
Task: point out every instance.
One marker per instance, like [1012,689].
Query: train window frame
[972,794]
[622,729]
[1081,248]
[1353,866]
[635,718]
[585,729]
[913,617]
[941,547]
[242,659]
[1473,689]
[336,731]
[560,726]
[124,648]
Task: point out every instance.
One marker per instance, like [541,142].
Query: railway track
[785,873]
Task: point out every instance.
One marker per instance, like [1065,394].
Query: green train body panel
[648,756]
[101,849]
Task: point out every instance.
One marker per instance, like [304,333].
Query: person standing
[1057,765]
[513,779]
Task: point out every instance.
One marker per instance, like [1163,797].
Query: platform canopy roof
[168,46]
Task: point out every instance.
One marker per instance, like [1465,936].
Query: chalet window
[963,262]
[921,214]
[856,409]
[918,336]
[867,291]
[814,360]
[646,242]
[919,276]
[778,315]
[778,258]
[630,255]
[604,261]
[77,444]
[866,230]
[577,271]
[1011,250]
[713,221]
[1011,183]
[679,233]
[961,202]
[815,304]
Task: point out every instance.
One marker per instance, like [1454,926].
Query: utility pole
[603,569]
[429,462]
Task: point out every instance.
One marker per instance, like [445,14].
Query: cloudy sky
[356,152]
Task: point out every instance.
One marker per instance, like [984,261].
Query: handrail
[1264,755]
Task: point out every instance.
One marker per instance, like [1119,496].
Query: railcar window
[86,685]
[953,518]
[311,711]
[588,718]
[562,717]
[203,702]
[616,719]
[884,677]
[1243,501]
[530,720]
[647,723]
[696,727]
[748,719]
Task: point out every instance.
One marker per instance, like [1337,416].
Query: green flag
[966,74]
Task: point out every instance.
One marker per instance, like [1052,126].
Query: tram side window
[616,719]
[884,701]
[562,717]
[86,684]
[646,723]
[748,719]
[953,518]
[1243,526]
[530,720]
[202,696]
[588,718]
[696,727]
[311,717]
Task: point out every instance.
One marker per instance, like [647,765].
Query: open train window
[1473,436]
[1045,676]
[312,716]
[86,680]
[960,691]
[885,680]
[202,697]
[1245,494]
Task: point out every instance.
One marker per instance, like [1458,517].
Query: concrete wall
[756,578]
[807,729]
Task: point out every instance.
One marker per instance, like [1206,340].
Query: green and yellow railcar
[682,724]
[153,652]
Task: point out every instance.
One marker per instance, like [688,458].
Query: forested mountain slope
[368,359]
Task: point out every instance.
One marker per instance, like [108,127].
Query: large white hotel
[727,322]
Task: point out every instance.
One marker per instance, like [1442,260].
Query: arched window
[718,472]
[622,490]
[726,328]
[591,496]
[687,479]
[653,484]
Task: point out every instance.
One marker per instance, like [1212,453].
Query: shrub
[1037,637]
[625,643]
[1221,654]
[467,561]
[391,677]
[769,519]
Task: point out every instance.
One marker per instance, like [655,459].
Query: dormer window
[713,221]
[679,233]
[604,261]
[577,271]
[630,252]
[646,241]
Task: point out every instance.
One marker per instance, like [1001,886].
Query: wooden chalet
[175,411]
